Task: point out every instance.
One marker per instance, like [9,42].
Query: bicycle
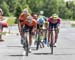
[25,43]
[39,35]
[52,41]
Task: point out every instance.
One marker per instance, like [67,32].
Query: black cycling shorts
[39,26]
[26,27]
[53,25]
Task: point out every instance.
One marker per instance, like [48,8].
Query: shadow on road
[33,48]
[15,55]
[42,53]
[14,46]
[71,48]
[64,54]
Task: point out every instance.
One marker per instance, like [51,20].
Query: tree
[71,6]
[5,8]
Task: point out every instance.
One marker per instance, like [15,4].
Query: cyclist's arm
[59,22]
[20,20]
[19,26]
[35,25]
[34,28]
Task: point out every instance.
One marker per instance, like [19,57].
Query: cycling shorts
[53,25]
[26,27]
[39,26]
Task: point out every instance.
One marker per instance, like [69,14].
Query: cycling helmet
[40,21]
[55,16]
[29,19]
[25,11]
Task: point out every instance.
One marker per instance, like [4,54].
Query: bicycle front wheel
[51,44]
[26,46]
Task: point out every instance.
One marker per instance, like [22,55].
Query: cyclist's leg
[23,32]
[42,32]
[30,39]
[49,32]
[30,35]
[36,34]
[56,32]
[40,29]
[22,35]
[45,34]
[1,29]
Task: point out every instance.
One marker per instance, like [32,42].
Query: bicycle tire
[38,42]
[51,44]
[26,46]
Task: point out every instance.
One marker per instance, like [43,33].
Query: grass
[11,20]
[73,25]
[4,33]
[72,21]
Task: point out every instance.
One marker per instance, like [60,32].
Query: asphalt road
[11,49]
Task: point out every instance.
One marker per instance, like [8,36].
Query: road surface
[11,49]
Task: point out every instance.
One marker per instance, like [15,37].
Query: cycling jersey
[22,17]
[56,21]
[34,23]
[53,23]
[29,26]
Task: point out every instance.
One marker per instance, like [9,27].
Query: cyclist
[40,25]
[31,25]
[42,20]
[1,28]
[44,26]
[2,24]
[54,22]
[22,18]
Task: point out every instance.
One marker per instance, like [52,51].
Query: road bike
[25,43]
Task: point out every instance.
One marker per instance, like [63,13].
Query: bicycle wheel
[38,42]
[27,49]
[51,44]
[26,46]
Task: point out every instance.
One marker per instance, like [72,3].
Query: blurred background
[64,8]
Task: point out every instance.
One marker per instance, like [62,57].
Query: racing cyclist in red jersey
[54,22]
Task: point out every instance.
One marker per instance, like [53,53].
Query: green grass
[4,33]
[11,20]
[73,25]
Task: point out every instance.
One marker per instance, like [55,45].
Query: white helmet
[25,11]
[29,19]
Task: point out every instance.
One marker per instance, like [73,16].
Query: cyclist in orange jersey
[31,25]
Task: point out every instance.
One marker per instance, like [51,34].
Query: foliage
[11,20]
[63,9]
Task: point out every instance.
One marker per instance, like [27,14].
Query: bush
[11,20]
